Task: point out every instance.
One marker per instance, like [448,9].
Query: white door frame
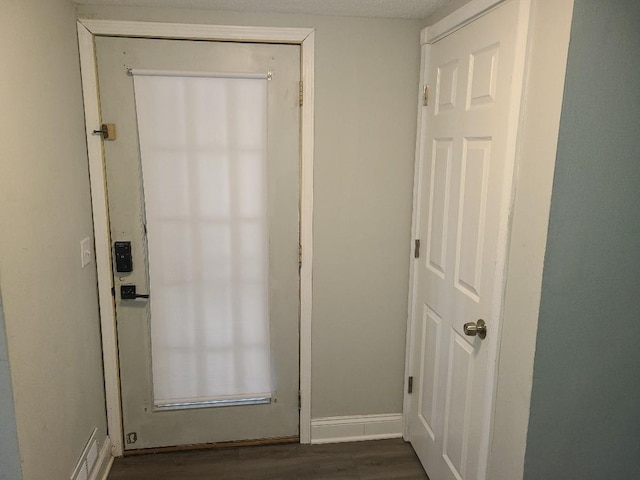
[87,30]
[428,36]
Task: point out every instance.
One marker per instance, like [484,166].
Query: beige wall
[50,303]
[366,101]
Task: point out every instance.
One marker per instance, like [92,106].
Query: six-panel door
[464,192]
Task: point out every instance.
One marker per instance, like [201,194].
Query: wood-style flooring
[372,460]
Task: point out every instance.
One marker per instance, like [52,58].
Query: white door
[203,191]
[463,197]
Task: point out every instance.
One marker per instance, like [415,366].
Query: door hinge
[299,400]
[299,257]
[132,437]
[425,95]
[107,131]
[113,292]
[410,385]
[300,92]
[416,248]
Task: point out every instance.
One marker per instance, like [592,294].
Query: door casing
[429,35]
[305,37]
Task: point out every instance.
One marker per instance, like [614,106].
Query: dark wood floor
[373,460]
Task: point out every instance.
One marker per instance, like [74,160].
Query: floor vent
[87,460]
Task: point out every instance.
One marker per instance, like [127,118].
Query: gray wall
[9,452]
[585,405]
[366,110]
[50,303]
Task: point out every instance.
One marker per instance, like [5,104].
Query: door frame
[87,30]
[428,36]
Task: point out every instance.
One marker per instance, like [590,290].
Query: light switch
[85,252]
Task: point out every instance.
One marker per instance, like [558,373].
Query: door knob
[478,328]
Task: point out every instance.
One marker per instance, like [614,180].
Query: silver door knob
[478,328]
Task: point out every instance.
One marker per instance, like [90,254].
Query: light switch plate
[85,252]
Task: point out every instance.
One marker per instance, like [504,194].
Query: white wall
[50,303]
[366,101]
[550,24]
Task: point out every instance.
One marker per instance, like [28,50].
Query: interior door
[203,195]
[464,193]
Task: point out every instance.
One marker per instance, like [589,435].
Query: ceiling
[417,9]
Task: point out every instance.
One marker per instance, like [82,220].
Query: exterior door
[203,194]
[464,194]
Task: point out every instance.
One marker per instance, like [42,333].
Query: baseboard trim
[213,446]
[103,463]
[356,428]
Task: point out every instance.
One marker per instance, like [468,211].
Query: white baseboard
[103,463]
[356,428]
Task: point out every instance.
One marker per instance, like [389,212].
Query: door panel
[462,195]
[159,222]
[472,215]
[439,206]
[428,394]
